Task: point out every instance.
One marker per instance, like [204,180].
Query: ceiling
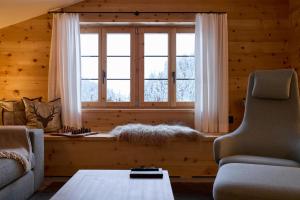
[14,11]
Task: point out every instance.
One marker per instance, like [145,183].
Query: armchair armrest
[226,145]
[296,151]
[37,142]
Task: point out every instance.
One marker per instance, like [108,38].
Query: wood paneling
[64,156]
[107,119]
[24,58]
[294,41]
[258,34]
[258,39]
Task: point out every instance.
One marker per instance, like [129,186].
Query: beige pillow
[43,115]
[13,112]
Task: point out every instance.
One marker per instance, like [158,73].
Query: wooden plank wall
[258,34]
[24,58]
[107,119]
[294,33]
[258,39]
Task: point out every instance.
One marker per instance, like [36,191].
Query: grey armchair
[270,131]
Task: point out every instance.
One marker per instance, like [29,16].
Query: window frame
[137,66]
[103,61]
[142,31]
[181,30]
[87,30]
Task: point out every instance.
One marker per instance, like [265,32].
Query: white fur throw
[152,134]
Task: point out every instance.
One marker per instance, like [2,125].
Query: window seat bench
[181,157]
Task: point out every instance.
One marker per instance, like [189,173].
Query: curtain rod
[136,13]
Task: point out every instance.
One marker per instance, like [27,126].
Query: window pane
[156,44]
[89,44]
[185,44]
[118,67]
[89,90]
[185,90]
[118,90]
[118,44]
[89,67]
[156,67]
[156,90]
[185,67]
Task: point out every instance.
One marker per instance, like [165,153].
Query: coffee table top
[114,185]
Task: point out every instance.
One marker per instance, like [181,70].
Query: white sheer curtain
[64,67]
[211,57]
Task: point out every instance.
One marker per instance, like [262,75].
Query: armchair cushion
[258,160]
[273,84]
[240,181]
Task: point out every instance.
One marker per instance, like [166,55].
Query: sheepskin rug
[153,134]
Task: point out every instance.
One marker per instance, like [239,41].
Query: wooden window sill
[99,136]
[104,136]
[86,110]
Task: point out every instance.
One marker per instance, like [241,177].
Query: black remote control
[145,169]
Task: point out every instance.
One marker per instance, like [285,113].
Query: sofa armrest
[37,142]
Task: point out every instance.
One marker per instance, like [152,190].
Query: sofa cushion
[20,189]
[13,112]
[272,84]
[10,170]
[240,181]
[258,160]
[45,115]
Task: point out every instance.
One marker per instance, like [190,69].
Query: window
[89,67]
[138,67]
[185,67]
[118,67]
[156,67]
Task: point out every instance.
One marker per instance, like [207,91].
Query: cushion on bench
[10,170]
[258,160]
[240,181]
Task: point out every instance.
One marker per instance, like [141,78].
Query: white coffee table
[114,185]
